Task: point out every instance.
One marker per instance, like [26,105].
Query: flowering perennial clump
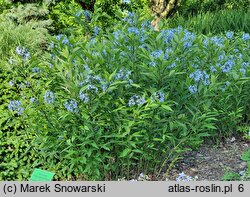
[132,95]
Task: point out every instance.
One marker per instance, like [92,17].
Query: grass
[214,23]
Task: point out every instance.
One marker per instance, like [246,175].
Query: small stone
[232,139]
[242,172]
[193,172]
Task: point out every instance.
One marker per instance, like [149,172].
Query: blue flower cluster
[246,36]
[49,97]
[168,34]
[157,53]
[23,52]
[131,18]
[188,39]
[123,75]
[138,33]
[90,80]
[218,41]
[63,38]
[134,30]
[193,89]
[200,75]
[230,35]
[228,65]
[136,100]
[83,97]
[225,85]
[71,105]
[96,30]
[126,1]
[87,15]
[183,177]
[36,70]
[16,105]
[160,96]
[32,100]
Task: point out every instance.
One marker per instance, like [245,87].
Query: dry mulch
[210,163]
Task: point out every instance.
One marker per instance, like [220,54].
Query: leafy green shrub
[18,26]
[70,18]
[4,5]
[134,97]
[17,156]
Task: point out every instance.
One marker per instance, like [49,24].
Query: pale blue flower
[11,83]
[245,64]
[236,50]
[96,30]
[65,40]
[188,39]
[226,84]
[51,45]
[157,53]
[83,97]
[218,41]
[87,15]
[230,35]
[35,70]
[246,36]
[32,99]
[159,96]
[126,1]
[172,65]
[146,24]
[123,74]
[228,65]
[117,34]
[49,97]
[71,105]
[133,30]
[197,75]
[243,71]
[136,100]
[59,37]
[213,69]
[183,177]
[23,52]
[193,89]
[153,64]
[92,87]
[16,105]
[168,35]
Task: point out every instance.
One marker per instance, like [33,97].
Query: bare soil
[211,162]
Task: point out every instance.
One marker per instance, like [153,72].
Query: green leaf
[246,156]
[125,152]
[166,107]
